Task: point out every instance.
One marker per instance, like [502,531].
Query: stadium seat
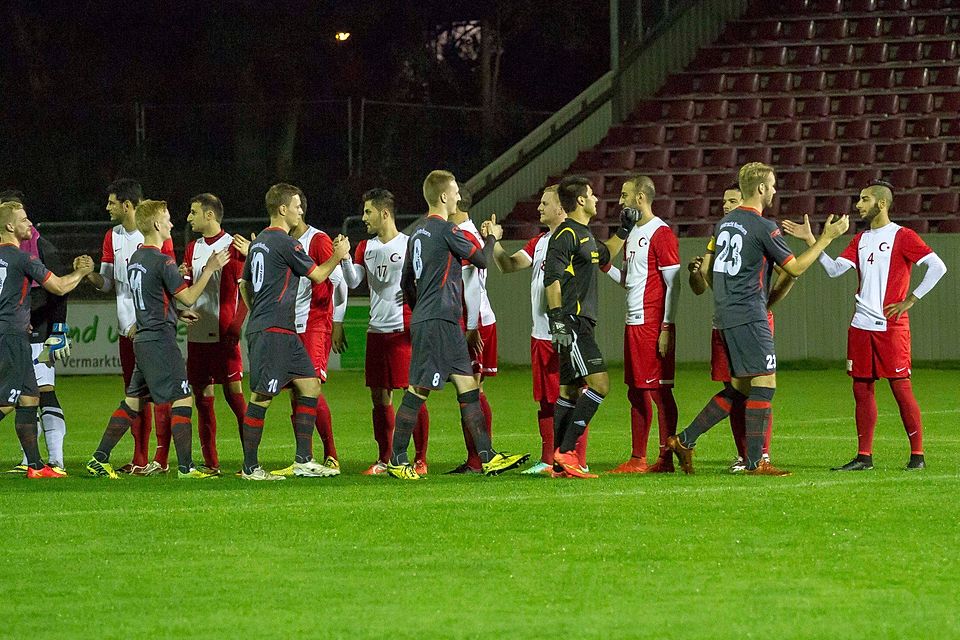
[861,6]
[820,130]
[882,104]
[781,107]
[770,56]
[951,225]
[893,5]
[757,154]
[903,177]
[652,159]
[719,133]
[923,128]
[634,136]
[930,152]
[945,76]
[853,130]
[937,177]
[845,80]
[813,107]
[871,53]
[942,205]
[834,54]
[899,27]
[948,103]
[860,179]
[683,135]
[662,183]
[804,55]
[705,83]
[897,153]
[699,230]
[735,57]
[761,31]
[905,51]
[875,79]
[689,183]
[678,110]
[833,29]
[864,28]
[828,154]
[809,81]
[750,133]
[797,30]
[686,158]
[722,158]
[794,7]
[950,127]
[833,180]
[647,111]
[794,181]
[847,106]
[789,131]
[776,82]
[788,156]
[825,6]
[863,153]
[744,108]
[920,225]
[797,205]
[707,110]
[664,208]
[524,211]
[834,205]
[586,160]
[941,50]
[912,78]
[938,25]
[891,129]
[917,103]
[694,209]
[743,82]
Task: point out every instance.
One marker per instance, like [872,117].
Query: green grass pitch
[815,555]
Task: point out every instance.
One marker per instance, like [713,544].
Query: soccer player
[651,262]
[748,245]
[545,364]
[277,355]
[213,340]
[119,243]
[480,324]
[433,288]
[380,260]
[18,383]
[570,283]
[155,282]
[719,367]
[878,340]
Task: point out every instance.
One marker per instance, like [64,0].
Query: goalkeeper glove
[560,333]
[628,219]
[57,346]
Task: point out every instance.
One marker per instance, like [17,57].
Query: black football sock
[471,415]
[304,415]
[404,423]
[120,422]
[758,412]
[587,405]
[716,410]
[181,430]
[252,434]
[26,426]
[562,417]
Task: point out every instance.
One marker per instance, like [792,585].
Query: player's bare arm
[832,229]
[62,285]
[697,283]
[215,262]
[936,269]
[781,286]
[506,263]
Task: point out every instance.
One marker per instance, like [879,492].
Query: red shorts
[719,365]
[643,367]
[127,360]
[485,362]
[388,360]
[317,342]
[213,363]
[546,370]
[878,354]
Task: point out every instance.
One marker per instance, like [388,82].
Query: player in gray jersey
[738,265]
[159,374]
[18,384]
[433,286]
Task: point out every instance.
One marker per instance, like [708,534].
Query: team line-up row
[431,322]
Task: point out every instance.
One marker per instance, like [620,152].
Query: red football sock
[141,429]
[161,416]
[581,447]
[909,413]
[473,458]
[238,405]
[866,414]
[545,422]
[487,413]
[383,431]
[207,430]
[667,415]
[641,415]
[768,435]
[325,428]
[738,427]
[421,433]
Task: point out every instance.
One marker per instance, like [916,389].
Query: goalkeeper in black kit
[570,279]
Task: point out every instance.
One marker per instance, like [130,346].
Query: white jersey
[648,250]
[487,316]
[217,304]
[118,247]
[383,263]
[536,250]
[315,306]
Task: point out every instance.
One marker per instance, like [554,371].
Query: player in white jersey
[878,340]
[380,260]
[651,262]
[480,324]
[119,243]
[545,364]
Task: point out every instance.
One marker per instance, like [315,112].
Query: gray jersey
[746,245]
[154,281]
[275,262]
[17,269]
[432,282]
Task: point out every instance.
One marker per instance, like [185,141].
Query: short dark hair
[209,202]
[11,195]
[126,189]
[382,199]
[733,186]
[466,200]
[571,188]
[280,194]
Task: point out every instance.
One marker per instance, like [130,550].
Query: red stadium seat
[778,108]
[758,154]
[863,153]
[864,28]
[662,183]
[826,6]
[920,225]
[903,178]
[834,180]
[744,109]
[899,27]
[686,158]
[942,50]
[797,206]
[693,209]
[860,179]
[942,205]
[626,135]
[797,30]
[938,25]
[912,78]
[525,210]
[750,133]
[664,208]
[770,56]
[876,79]
[736,57]
[848,106]
[722,158]
[699,230]
[810,81]
[949,226]
[953,151]
[891,129]
[893,5]
[846,80]
[937,177]
[789,131]
[707,110]
[882,104]
[923,128]
[833,29]
[743,82]
[834,205]
[647,111]
[861,6]
[587,160]
[788,156]
[948,103]
[828,154]
[916,103]
[872,53]
[906,51]
[766,30]
[690,183]
[820,130]
[719,133]
[776,82]
[897,153]
[793,7]
[682,135]
[803,55]
[932,152]
[652,159]
[678,110]
[945,76]
[950,127]
[794,181]
[853,130]
[708,83]
[813,107]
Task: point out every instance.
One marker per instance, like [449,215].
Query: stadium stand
[832,93]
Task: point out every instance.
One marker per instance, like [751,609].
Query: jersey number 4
[728,259]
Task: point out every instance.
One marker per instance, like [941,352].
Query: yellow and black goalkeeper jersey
[573,258]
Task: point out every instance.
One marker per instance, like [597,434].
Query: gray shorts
[438,350]
[750,349]
[275,360]
[16,369]
[159,372]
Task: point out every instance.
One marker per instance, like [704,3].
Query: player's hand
[188,316]
[338,338]
[58,344]
[492,228]
[666,342]
[694,265]
[628,220]
[800,231]
[241,244]
[560,333]
[217,260]
[474,340]
[834,228]
[894,311]
[185,270]
[83,264]
[341,246]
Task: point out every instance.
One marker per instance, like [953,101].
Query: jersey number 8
[728,260]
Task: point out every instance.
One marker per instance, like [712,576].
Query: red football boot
[633,465]
[45,472]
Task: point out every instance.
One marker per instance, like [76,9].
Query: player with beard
[878,340]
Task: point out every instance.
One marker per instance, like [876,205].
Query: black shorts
[438,350]
[16,369]
[583,357]
[159,372]
[275,360]
[750,349]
